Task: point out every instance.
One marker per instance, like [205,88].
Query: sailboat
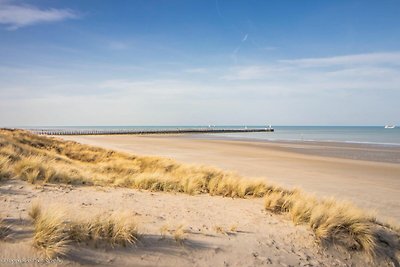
[390,126]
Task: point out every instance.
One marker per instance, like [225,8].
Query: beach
[195,200]
[200,133]
[367,175]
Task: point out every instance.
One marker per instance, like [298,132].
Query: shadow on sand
[147,245]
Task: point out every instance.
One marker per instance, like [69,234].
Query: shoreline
[349,142]
[370,184]
[389,153]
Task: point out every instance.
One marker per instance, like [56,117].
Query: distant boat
[390,126]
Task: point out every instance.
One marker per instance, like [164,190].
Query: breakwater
[147,131]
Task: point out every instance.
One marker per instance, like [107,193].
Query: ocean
[346,134]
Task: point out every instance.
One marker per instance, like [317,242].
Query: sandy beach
[369,176]
[218,231]
[174,226]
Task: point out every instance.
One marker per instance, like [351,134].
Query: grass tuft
[179,235]
[50,233]
[54,234]
[35,211]
[333,221]
[220,230]
[116,229]
[5,230]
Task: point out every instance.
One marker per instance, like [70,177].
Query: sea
[344,134]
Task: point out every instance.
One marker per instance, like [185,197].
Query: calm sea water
[348,134]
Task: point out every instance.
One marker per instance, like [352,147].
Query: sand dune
[219,231]
[372,185]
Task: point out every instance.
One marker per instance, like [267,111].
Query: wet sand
[369,176]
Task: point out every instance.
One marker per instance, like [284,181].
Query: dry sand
[324,169]
[247,235]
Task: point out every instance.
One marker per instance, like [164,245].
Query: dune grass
[4,229]
[179,235]
[118,229]
[50,233]
[39,159]
[54,233]
[35,210]
[335,222]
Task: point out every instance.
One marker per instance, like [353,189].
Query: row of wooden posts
[143,132]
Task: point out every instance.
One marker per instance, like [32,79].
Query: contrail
[217,7]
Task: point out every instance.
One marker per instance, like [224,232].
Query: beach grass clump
[54,233]
[335,222]
[343,223]
[50,235]
[5,171]
[179,235]
[35,210]
[117,229]
[5,229]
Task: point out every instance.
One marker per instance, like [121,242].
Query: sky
[222,62]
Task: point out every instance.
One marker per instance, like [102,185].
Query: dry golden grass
[115,229]
[50,233]
[226,230]
[220,230]
[164,230]
[39,159]
[5,230]
[4,167]
[336,222]
[54,234]
[233,228]
[35,210]
[179,235]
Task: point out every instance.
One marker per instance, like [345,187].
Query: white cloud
[375,71]
[255,72]
[357,59]
[17,16]
[280,92]
[141,88]
[197,70]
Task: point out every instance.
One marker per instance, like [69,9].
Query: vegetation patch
[54,233]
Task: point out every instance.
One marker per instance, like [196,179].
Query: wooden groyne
[146,132]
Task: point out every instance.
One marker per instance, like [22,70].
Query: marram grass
[4,230]
[39,159]
[55,233]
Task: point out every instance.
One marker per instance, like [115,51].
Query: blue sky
[199,62]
